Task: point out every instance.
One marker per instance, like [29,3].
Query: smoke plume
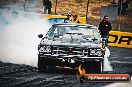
[18,36]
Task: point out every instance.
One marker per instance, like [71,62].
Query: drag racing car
[69,45]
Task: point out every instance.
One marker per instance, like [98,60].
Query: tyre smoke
[19,36]
[107,66]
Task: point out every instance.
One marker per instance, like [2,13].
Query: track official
[105,27]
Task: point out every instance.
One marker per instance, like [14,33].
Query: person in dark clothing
[122,6]
[47,6]
[68,19]
[75,19]
[104,28]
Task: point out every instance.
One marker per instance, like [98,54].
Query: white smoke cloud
[18,36]
[107,66]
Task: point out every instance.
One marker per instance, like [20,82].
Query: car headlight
[46,49]
[96,52]
[92,51]
[99,53]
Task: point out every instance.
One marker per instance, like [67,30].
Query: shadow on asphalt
[64,71]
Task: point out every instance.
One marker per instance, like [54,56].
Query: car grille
[70,51]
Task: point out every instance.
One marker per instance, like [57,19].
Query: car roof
[86,25]
[78,25]
[64,24]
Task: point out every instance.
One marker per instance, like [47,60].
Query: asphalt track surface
[16,75]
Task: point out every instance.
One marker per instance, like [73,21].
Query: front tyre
[94,67]
[42,65]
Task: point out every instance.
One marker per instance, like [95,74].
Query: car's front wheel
[42,64]
[94,67]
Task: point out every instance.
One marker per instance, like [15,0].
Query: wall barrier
[116,38]
[60,18]
[120,39]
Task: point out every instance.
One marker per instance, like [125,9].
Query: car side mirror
[40,35]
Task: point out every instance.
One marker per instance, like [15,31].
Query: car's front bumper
[70,60]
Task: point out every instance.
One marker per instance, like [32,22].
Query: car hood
[60,43]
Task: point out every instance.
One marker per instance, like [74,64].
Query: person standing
[68,19]
[75,19]
[47,6]
[104,28]
[122,6]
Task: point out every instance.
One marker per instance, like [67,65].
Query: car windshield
[72,33]
[57,31]
[90,32]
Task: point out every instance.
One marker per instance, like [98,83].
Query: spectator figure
[75,19]
[68,19]
[105,27]
[122,6]
[47,6]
